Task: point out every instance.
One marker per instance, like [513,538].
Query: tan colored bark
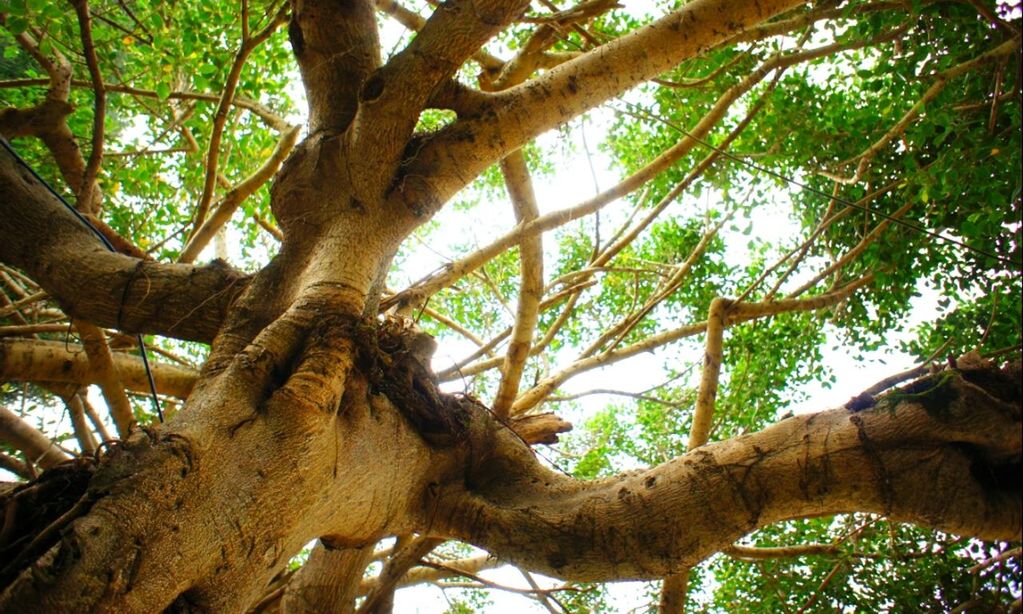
[101,364]
[86,440]
[515,116]
[527,311]
[456,270]
[915,457]
[390,100]
[380,598]
[291,433]
[55,361]
[304,471]
[449,569]
[327,582]
[750,311]
[108,289]
[703,412]
[673,594]
[36,446]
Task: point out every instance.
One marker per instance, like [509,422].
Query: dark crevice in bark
[40,509]
[395,358]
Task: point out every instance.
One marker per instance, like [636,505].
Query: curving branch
[248,45]
[391,99]
[403,559]
[943,452]
[226,207]
[337,48]
[513,117]
[85,199]
[699,432]
[264,113]
[940,81]
[328,582]
[36,446]
[458,269]
[415,22]
[113,290]
[86,440]
[750,311]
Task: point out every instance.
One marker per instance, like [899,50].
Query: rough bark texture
[45,240]
[310,420]
[943,452]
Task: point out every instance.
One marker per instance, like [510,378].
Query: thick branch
[37,447]
[391,99]
[337,47]
[944,453]
[468,146]
[44,239]
[454,271]
[328,582]
[56,361]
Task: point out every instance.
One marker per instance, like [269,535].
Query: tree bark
[44,239]
[943,452]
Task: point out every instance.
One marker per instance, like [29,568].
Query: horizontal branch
[46,240]
[56,361]
[943,453]
[269,117]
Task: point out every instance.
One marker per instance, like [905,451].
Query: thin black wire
[109,246]
[640,113]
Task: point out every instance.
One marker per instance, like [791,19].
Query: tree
[892,128]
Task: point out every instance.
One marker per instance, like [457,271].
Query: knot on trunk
[395,358]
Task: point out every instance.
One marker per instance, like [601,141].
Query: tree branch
[464,149]
[86,200]
[943,452]
[112,290]
[55,361]
[391,99]
[337,48]
[750,311]
[37,447]
[520,189]
[248,45]
[454,271]
[101,364]
[236,195]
